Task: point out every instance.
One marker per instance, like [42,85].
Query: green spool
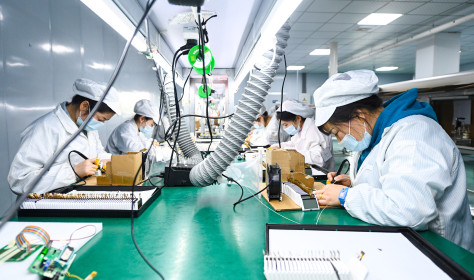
[196,62]
[204,93]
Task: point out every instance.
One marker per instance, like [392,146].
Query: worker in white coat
[297,121]
[135,134]
[406,170]
[258,136]
[41,139]
[273,127]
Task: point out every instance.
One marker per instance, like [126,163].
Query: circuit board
[49,267]
[20,255]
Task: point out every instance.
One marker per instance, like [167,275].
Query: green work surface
[194,233]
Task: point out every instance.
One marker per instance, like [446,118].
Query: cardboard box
[288,160]
[124,169]
[105,179]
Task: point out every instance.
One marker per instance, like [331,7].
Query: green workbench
[194,233]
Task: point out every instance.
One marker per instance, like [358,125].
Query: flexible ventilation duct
[188,147]
[206,172]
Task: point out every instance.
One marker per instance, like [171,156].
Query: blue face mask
[350,143]
[291,130]
[93,124]
[147,131]
[257,126]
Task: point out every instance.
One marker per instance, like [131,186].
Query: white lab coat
[259,137]
[126,138]
[39,141]
[413,177]
[315,146]
[271,131]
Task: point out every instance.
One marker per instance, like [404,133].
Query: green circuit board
[20,255]
[50,266]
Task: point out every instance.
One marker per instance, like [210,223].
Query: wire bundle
[23,243]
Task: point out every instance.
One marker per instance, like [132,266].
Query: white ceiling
[317,23]
[227,32]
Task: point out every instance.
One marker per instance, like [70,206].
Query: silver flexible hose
[206,172]
[184,140]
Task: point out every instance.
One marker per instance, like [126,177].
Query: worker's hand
[275,147]
[341,179]
[86,167]
[329,195]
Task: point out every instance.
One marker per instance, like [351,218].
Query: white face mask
[93,124]
[350,143]
[147,131]
[291,130]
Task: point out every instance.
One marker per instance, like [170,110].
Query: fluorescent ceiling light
[320,52]
[294,68]
[379,19]
[386,68]
[279,14]
[114,17]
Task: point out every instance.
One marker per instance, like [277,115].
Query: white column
[437,55]
[332,59]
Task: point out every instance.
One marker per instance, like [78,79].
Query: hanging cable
[281,102]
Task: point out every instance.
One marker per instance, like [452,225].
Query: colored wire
[22,242]
[73,276]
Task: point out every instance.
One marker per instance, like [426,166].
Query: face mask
[350,143]
[147,131]
[257,126]
[291,130]
[93,124]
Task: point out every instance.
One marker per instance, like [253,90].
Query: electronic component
[65,256]
[53,263]
[178,175]
[274,182]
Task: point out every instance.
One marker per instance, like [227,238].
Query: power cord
[69,159]
[281,102]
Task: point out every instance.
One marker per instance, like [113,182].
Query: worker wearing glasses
[406,170]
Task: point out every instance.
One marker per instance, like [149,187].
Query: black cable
[241,188]
[69,159]
[178,112]
[249,197]
[53,158]
[148,8]
[281,102]
[201,51]
[185,82]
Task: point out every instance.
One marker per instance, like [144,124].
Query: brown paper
[288,160]
[124,169]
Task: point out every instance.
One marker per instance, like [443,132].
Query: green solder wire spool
[196,62]
[204,93]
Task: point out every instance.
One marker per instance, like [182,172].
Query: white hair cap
[342,89]
[262,111]
[298,108]
[94,91]
[145,108]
